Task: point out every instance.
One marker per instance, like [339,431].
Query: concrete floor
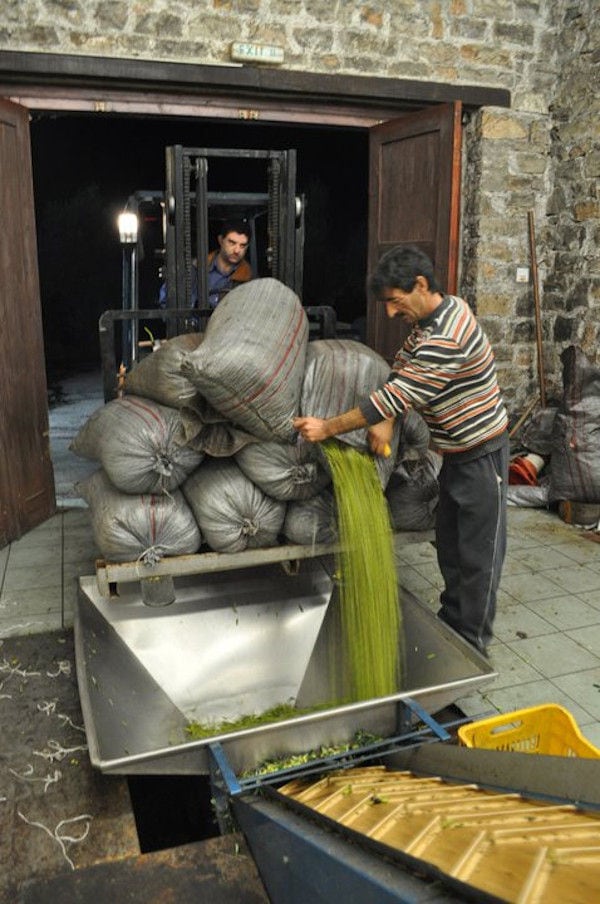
[547,643]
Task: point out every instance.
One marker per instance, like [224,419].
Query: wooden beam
[43,69]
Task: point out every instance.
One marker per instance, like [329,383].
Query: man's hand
[316,429]
[380,438]
[312,428]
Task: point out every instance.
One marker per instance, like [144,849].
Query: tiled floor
[39,572]
[547,631]
[547,644]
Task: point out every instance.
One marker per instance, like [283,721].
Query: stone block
[495,330]
[524,304]
[486,56]
[496,250]
[521,356]
[530,102]
[509,33]
[589,339]
[368,14]
[557,200]
[366,43]
[591,165]
[502,126]
[522,331]
[565,329]
[491,304]
[465,27]
[526,162]
[317,40]
[586,210]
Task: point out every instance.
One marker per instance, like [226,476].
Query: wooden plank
[101,100]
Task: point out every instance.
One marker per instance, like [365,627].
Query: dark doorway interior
[85,167]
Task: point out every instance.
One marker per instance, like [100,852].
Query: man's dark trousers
[471,541]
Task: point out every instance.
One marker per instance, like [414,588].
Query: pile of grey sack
[567,437]
[201,450]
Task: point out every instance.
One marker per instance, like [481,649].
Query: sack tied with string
[232,513]
[129,526]
[284,471]
[140,445]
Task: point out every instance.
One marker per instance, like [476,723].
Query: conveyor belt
[504,844]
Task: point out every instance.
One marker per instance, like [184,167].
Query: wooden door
[414,198]
[26,476]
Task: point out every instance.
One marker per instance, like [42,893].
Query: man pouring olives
[446,370]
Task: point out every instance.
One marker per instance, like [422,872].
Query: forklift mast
[188,213]
[188,203]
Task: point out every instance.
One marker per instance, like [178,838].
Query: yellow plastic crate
[549,729]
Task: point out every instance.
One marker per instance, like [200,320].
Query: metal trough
[239,642]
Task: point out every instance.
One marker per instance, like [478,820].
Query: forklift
[185,220]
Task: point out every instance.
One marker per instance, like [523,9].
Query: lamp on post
[128,235]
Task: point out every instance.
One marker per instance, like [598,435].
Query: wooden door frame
[442,125]
[104,85]
[85,84]
[26,477]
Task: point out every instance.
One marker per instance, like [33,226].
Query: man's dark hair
[240,226]
[399,267]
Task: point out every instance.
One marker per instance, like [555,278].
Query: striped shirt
[446,370]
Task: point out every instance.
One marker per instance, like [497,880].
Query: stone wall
[542,155]
[571,237]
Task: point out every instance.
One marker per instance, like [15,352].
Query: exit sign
[244,52]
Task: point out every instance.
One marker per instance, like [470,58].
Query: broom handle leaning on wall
[536,301]
[523,417]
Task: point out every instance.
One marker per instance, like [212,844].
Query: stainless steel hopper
[239,642]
